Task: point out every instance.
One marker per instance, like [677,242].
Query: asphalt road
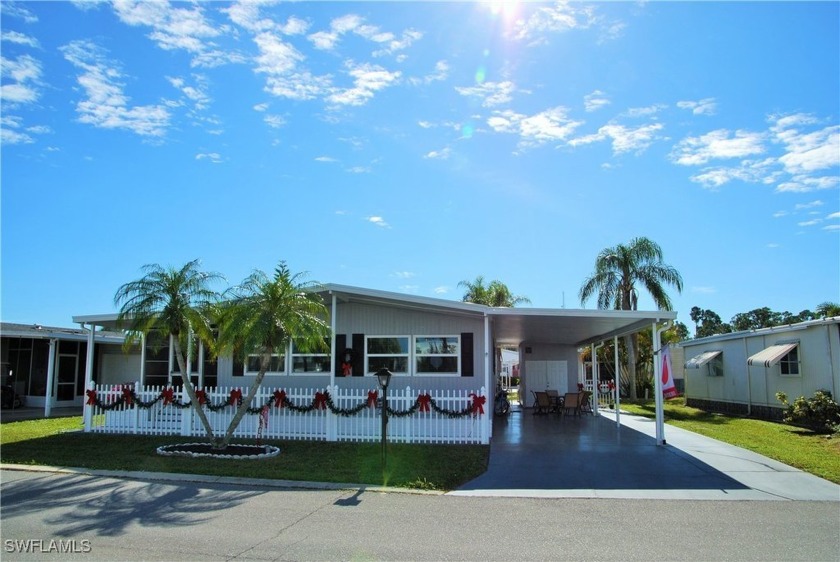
[115,519]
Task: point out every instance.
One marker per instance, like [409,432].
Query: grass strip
[801,448]
[58,442]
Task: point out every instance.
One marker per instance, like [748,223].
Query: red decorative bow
[201,396]
[424,400]
[168,395]
[373,396]
[611,385]
[235,396]
[279,398]
[580,387]
[127,395]
[91,394]
[320,401]
[478,403]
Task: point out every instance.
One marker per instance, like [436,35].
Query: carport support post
[88,417]
[595,380]
[617,389]
[50,378]
[657,387]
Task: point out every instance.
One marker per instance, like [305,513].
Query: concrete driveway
[590,456]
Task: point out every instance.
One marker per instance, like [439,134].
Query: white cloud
[25,71]
[196,94]
[812,222]
[404,274]
[811,205]
[647,111]
[19,38]
[367,80]
[359,169]
[355,24]
[719,144]
[833,216]
[562,16]
[490,93]
[773,245]
[706,106]
[246,14]
[595,101]
[805,184]
[261,107]
[378,221]
[106,105]
[624,139]
[213,157]
[442,290]
[15,9]
[551,125]
[274,121]
[325,159]
[10,132]
[440,73]
[442,154]
[831,227]
[806,152]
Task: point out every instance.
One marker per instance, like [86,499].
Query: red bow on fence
[201,396]
[373,396]
[478,403]
[235,396]
[424,400]
[279,398]
[320,401]
[168,395]
[127,395]
[91,394]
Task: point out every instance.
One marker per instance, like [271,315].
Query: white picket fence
[286,423]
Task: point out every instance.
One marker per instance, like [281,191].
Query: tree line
[709,323]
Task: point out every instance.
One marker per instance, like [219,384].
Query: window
[789,364]
[391,353]
[311,361]
[276,365]
[716,366]
[156,358]
[436,355]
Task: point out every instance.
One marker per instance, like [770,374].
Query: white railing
[447,417]
[606,397]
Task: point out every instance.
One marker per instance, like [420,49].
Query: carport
[559,335]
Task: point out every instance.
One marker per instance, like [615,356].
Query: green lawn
[801,448]
[56,442]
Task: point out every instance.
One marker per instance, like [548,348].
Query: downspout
[595,378]
[617,389]
[50,377]
[657,379]
[749,381]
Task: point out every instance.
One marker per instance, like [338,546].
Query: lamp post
[384,376]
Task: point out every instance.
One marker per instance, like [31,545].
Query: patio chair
[556,400]
[586,403]
[571,403]
[542,403]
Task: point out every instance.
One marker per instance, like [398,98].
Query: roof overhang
[36,331]
[576,327]
[512,326]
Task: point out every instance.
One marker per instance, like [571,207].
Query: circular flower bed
[206,450]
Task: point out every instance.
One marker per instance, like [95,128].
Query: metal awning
[771,355]
[699,360]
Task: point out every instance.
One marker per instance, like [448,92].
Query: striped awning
[771,355]
[699,360]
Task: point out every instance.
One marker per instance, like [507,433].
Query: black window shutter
[340,346]
[358,355]
[467,354]
[238,364]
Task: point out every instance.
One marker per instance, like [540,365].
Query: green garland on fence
[321,401]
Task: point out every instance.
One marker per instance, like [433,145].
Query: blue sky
[410,146]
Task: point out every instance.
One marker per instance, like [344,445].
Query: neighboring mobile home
[430,345]
[741,372]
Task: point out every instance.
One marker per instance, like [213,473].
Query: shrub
[820,413]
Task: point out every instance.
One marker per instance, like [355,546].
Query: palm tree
[617,272]
[263,315]
[171,302]
[828,309]
[495,294]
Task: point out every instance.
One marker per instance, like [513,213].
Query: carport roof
[512,326]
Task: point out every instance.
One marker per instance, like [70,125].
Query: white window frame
[292,355]
[407,355]
[418,356]
[283,366]
[785,362]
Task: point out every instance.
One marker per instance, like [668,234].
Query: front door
[67,371]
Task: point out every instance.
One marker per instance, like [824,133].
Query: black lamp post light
[384,376]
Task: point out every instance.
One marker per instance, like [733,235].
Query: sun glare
[504,8]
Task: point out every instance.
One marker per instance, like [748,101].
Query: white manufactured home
[741,373]
[442,354]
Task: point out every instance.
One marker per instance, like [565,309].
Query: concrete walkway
[591,457]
